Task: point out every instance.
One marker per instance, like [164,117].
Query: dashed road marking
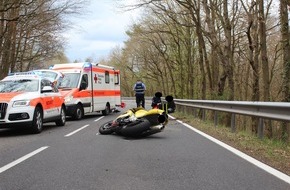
[99,118]
[70,134]
[22,159]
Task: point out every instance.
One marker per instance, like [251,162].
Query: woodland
[234,50]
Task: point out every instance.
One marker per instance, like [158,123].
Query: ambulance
[27,99]
[89,87]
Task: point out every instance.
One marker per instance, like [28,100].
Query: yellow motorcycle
[136,122]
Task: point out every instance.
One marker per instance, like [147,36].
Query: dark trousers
[140,100]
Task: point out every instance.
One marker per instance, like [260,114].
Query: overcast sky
[101,29]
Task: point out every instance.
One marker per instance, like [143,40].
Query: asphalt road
[77,157]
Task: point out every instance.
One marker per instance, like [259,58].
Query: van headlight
[68,99]
[21,103]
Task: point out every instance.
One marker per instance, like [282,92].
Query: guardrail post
[203,114]
[215,118]
[261,128]
[188,110]
[233,123]
[181,108]
[195,112]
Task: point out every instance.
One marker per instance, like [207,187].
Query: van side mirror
[46,89]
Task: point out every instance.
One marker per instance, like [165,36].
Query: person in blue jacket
[140,89]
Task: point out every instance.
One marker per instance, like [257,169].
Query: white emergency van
[89,87]
[27,99]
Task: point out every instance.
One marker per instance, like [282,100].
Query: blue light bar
[87,65]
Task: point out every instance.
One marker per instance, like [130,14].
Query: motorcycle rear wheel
[135,128]
[106,128]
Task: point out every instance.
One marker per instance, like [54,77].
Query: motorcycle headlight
[68,99]
[21,103]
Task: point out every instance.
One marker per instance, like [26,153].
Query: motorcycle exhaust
[162,118]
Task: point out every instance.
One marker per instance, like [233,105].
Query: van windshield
[70,80]
[50,75]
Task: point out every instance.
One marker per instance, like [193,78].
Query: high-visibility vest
[139,88]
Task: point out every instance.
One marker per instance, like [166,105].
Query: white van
[89,87]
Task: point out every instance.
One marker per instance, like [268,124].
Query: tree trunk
[264,61]
[286,60]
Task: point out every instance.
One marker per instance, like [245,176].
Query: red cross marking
[95,78]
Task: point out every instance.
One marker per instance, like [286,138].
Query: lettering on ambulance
[50,105]
[100,79]
[107,92]
[56,106]
[58,100]
[46,103]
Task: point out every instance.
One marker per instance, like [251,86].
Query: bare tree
[30,31]
[285,37]
[231,49]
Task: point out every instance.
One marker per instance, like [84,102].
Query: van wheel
[37,123]
[62,119]
[79,112]
[106,111]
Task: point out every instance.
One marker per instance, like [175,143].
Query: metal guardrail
[262,110]
[147,98]
[269,110]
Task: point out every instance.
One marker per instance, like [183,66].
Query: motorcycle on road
[136,122]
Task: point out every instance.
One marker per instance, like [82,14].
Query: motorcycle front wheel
[106,128]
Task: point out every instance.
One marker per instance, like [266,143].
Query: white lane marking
[70,134]
[100,118]
[23,158]
[250,159]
